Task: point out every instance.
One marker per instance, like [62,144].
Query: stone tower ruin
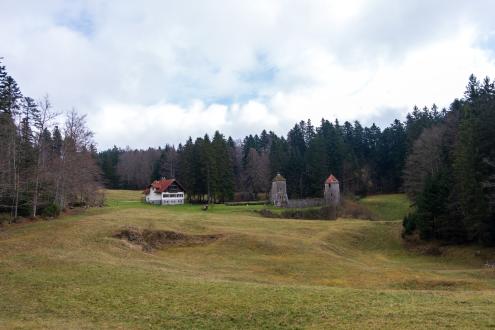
[332,191]
[332,195]
[278,194]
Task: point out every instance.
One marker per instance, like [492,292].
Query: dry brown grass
[264,273]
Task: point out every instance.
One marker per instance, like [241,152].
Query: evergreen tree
[57,142]
[432,206]
[108,161]
[296,167]
[278,155]
[187,166]
[11,96]
[223,174]
[264,141]
[391,153]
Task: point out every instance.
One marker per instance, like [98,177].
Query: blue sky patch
[82,22]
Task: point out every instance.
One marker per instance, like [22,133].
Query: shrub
[50,211]
[322,213]
[409,223]
[347,209]
[309,214]
[4,218]
[264,202]
[268,214]
[354,210]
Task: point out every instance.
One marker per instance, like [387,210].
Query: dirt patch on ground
[151,240]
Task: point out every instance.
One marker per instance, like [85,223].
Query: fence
[308,202]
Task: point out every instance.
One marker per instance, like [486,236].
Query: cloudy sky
[148,73]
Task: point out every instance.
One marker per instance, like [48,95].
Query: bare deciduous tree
[424,159]
[257,172]
[46,116]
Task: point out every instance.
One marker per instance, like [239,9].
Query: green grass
[264,273]
[388,207]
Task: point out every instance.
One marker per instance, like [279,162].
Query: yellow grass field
[262,273]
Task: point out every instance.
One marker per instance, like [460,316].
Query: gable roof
[331,179]
[162,185]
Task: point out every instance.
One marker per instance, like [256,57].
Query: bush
[264,202]
[268,214]
[50,211]
[309,214]
[353,210]
[409,223]
[322,213]
[4,218]
[347,209]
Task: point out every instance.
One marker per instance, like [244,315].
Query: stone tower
[332,191]
[332,195]
[278,194]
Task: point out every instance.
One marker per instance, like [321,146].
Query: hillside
[262,273]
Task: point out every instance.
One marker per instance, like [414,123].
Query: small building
[165,192]
[278,193]
[332,191]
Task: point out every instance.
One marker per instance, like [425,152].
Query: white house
[165,192]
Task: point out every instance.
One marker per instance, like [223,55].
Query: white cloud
[159,71]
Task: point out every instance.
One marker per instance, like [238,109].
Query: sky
[147,73]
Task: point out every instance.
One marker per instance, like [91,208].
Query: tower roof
[278,177]
[331,179]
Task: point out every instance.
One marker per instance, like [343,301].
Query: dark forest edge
[44,168]
[450,172]
[443,159]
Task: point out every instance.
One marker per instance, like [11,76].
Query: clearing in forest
[254,272]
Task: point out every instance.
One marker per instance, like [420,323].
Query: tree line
[365,159]
[450,171]
[44,167]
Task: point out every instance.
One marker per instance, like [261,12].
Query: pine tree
[223,174]
[317,161]
[186,175]
[278,155]
[11,96]
[57,142]
[296,167]
[432,206]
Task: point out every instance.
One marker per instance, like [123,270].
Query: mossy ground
[263,273]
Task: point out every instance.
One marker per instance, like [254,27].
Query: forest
[450,171]
[367,160]
[444,160]
[44,167]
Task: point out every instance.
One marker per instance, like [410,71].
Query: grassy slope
[69,273]
[388,207]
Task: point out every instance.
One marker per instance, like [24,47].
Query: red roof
[331,179]
[162,185]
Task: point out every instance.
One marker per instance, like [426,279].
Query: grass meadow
[263,273]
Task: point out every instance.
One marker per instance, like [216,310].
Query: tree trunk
[15,200]
[36,187]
